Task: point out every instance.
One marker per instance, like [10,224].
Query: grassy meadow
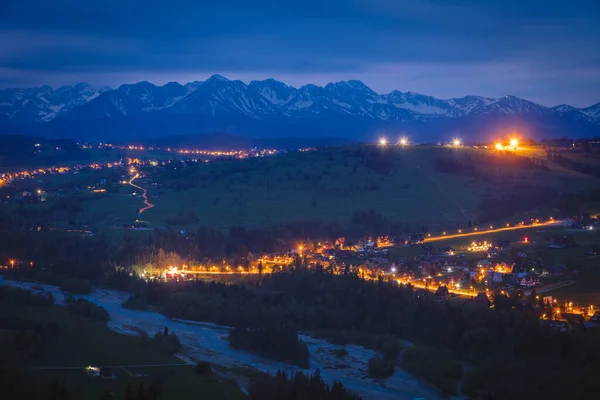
[333,184]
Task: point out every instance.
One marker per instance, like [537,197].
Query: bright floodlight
[403,141]
[498,146]
[514,142]
[456,142]
[382,141]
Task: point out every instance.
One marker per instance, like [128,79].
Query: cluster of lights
[232,153]
[481,246]
[9,177]
[403,141]
[513,144]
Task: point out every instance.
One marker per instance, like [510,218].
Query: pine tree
[129,393]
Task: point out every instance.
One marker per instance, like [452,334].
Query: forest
[276,342]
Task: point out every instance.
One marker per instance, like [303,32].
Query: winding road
[144,195]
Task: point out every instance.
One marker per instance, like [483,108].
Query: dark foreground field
[80,342]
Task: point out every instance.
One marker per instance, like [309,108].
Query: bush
[23,296]
[203,368]
[279,343]
[298,386]
[380,367]
[169,341]
[136,303]
[440,367]
[77,286]
[87,309]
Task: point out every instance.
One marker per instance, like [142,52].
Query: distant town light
[403,141]
[383,141]
[456,142]
[514,142]
[499,146]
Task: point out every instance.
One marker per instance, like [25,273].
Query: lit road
[144,194]
[434,288]
[488,231]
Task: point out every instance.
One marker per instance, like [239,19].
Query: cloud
[435,46]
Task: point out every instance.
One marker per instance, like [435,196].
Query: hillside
[360,187]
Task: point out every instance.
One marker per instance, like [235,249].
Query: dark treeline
[61,258]
[566,162]
[380,160]
[11,294]
[22,151]
[298,387]
[276,342]
[85,308]
[518,199]
[574,203]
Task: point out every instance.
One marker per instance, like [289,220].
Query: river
[208,342]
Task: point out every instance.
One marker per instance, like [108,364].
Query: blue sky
[545,51]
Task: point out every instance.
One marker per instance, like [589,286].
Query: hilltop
[367,188]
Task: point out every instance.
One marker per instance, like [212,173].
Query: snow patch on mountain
[593,112]
[423,109]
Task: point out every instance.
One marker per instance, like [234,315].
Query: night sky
[545,51]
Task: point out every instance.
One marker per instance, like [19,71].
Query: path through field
[144,195]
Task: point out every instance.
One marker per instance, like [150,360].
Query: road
[488,231]
[144,194]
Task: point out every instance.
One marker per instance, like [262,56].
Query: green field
[81,342]
[332,184]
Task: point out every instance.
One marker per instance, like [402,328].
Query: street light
[514,142]
[383,141]
[403,141]
[456,142]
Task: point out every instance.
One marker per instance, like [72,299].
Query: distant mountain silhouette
[270,108]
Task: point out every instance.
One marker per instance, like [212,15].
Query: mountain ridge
[270,108]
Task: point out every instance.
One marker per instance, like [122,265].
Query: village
[483,271]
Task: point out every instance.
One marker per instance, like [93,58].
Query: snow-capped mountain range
[271,108]
[43,104]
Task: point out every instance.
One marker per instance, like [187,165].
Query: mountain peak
[82,86]
[358,84]
[218,78]
[268,82]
